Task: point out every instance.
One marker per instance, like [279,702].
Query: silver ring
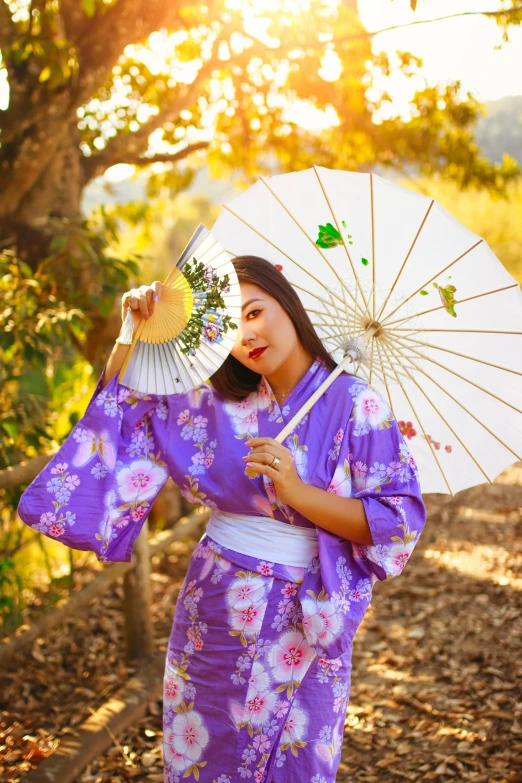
[274,462]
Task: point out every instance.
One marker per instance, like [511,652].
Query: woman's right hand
[141,302]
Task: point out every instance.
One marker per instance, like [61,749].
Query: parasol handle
[353,354]
[294,421]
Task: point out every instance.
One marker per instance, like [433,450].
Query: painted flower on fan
[210,275]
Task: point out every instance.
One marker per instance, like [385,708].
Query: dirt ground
[437,676]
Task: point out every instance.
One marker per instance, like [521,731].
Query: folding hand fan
[190,333]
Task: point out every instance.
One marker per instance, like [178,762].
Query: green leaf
[424,293]
[365,261]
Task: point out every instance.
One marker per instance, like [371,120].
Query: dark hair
[233,380]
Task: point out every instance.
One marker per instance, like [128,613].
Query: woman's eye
[252,313]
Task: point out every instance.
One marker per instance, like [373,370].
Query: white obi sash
[263,538]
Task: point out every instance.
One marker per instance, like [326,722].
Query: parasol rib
[433,278]
[305,233]
[462,377]
[399,273]
[455,331]
[441,307]
[403,389]
[302,268]
[446,422]
[462,355]
[354,271]
[431,378]
[372,213]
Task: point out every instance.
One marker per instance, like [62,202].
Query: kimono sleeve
[97,490]
[384,476]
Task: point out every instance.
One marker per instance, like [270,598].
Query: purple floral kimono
[258,667]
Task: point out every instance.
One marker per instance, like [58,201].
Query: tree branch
[497,13]
[139,160]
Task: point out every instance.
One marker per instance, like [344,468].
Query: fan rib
[462,377]
[432,451]
[441,307]
[354,271]
[167,365]
[399,273]
[302,268]
[462,355]
[497,437]
[431,280]
[448,425]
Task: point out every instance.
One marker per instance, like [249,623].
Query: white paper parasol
[393,281]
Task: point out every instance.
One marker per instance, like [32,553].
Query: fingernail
[250,464]
[156,297]
[150,312]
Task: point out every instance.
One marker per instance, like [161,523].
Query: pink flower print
[290,657]
[198,643]
[397,556]
[261,743]
[370,409]
[281,708]
[172,688]
[359,469]
[338,437]
[71,482]
[295,725]
[60,468]
[140,480]
[186,740]
[265,568]
[289,589]
[191,634]
[209,459]
[48,518]
[183,417]
[245,591]
[258,774]
[56,529]
[321,621]
[355,594]
[394,501]
[122,521]
[258,680]
[138,513]
[259,706]
[247,620]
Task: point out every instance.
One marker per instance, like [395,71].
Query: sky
[461,48]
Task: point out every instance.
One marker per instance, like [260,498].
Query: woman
[258,667]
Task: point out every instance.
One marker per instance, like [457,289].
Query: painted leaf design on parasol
[447,297]
[446,293]
[328,236]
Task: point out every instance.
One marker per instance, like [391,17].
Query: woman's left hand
[284,475]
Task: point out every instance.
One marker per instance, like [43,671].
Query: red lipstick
[256,352]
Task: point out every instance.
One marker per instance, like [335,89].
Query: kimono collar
[309,379]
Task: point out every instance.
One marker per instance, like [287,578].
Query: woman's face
[264,324]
